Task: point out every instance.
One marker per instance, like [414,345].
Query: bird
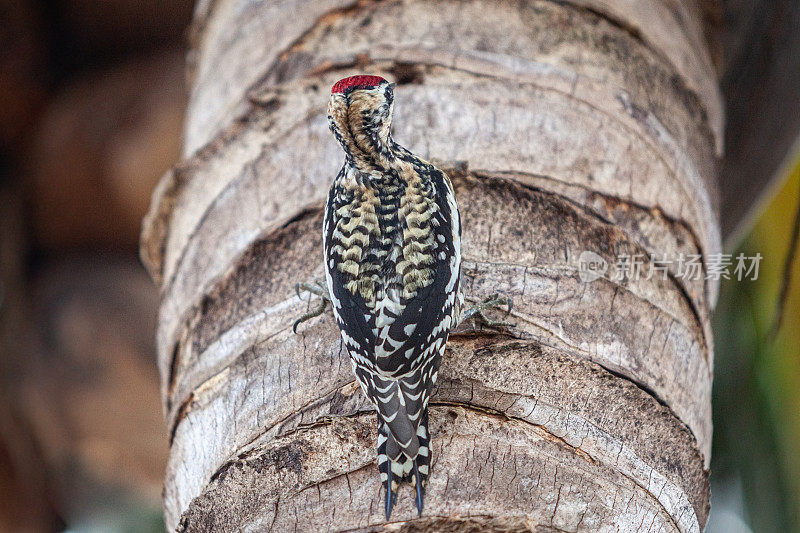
[392,253]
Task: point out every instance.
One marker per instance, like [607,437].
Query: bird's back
[393,263]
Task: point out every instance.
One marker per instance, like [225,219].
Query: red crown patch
[356,82]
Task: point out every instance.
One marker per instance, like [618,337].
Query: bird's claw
[495,301]
[317,288]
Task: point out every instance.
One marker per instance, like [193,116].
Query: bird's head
[360,114]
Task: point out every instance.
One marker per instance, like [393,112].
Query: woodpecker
[392,251]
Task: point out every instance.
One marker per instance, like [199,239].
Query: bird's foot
[317,288]
[478,312]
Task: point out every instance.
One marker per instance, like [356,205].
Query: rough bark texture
[569,126]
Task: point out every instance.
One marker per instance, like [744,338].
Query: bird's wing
[355,319]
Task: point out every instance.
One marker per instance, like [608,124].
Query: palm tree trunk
[569,127]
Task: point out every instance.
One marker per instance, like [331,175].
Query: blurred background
[92,94]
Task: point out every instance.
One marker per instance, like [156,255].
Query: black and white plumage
[392,246]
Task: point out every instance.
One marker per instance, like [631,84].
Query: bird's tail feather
[422,462]
[397,466]
[403,451]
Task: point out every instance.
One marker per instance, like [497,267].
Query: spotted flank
[392,247]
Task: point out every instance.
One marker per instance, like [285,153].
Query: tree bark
[585,125]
